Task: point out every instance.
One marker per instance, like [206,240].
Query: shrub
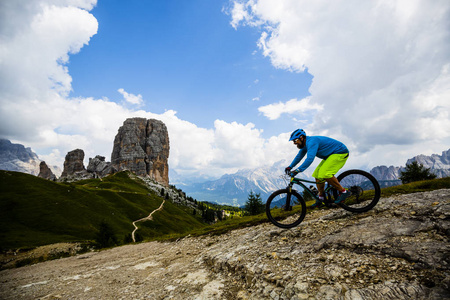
[128,239]
[105,236]
[138,237]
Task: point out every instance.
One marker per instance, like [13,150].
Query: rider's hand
[293,173]
[288,170]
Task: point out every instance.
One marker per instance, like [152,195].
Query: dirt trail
[149,217]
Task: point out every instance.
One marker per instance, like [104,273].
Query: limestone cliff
[142,146]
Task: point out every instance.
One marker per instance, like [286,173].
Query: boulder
[142,147]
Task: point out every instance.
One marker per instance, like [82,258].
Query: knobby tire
[278,214]
[364,188]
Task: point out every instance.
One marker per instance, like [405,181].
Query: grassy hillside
[35,211]
[417,186]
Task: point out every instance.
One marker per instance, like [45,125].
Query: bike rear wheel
[285,209]
[364,188]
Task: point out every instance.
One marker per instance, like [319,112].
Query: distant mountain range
[438,164]
[233,189]
[15,157]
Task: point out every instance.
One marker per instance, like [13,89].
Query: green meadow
[35,211]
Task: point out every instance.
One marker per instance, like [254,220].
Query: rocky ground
[399,250]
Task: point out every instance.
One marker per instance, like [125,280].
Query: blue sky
[231,79]
[185,56]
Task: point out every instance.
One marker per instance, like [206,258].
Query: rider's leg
[319,181]
[326,171]
[335,183]
[320,187]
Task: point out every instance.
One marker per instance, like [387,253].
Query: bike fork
[288,199]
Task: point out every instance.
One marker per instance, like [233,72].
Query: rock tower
[45,172]
[73,164]
[142,147]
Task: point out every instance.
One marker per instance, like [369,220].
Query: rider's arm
[298,158]
[312,151]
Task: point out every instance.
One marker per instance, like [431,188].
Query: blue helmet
[297,134]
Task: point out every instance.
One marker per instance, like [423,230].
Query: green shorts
[330,166]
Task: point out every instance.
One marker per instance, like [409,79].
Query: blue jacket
[320,146]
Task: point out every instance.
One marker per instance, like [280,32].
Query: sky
[230,79]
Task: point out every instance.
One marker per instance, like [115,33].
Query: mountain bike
[286,208]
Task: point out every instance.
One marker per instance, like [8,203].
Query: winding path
[149,217]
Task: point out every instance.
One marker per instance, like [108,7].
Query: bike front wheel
[364,188]
[285,209]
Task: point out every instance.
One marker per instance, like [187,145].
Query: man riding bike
[333,153]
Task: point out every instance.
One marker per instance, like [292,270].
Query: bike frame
[300,182]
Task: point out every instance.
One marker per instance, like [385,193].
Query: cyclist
[333,153]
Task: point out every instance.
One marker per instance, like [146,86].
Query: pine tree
[254,204]
[219,215]
[209,215]
[415,172]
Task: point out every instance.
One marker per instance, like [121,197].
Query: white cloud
[291,107]
[35,109]
[237,145]
[35,48]
[239,14]
[33,76]
[130,98]
[380,68]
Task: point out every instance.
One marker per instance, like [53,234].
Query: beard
[301,146]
